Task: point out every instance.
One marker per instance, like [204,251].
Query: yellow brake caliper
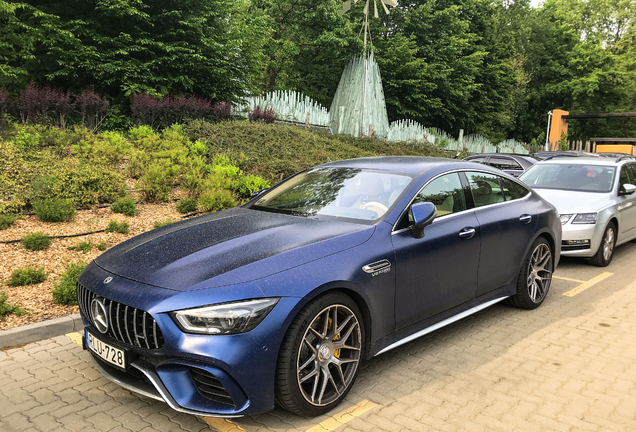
[336,353]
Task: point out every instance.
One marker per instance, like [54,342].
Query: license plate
[108,353]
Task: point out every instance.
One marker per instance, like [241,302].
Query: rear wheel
[535,277]
[605,251]
[320,354]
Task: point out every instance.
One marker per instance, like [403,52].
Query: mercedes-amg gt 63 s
[280,299]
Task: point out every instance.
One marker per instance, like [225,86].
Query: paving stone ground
[568,366]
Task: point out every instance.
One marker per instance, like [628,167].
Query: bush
[6,308]
[159,224]
[6,220]
[187,205]
[124,206]
[64,292]
[84,246]
[122,228]
[216,200]
[36,241]
[157,182]
[54,210]
[102,246]
[27,276]
[265,115]
[246,185]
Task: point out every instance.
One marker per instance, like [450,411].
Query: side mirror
[423,215]
[627,189]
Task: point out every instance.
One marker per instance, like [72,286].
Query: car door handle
[525,219]
[467,233]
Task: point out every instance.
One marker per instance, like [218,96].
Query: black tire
[535,276]
[313,348]
[605,252]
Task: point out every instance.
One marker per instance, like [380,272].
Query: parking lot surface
[568,366]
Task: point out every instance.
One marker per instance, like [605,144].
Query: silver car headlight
[224,318]
[565,218]
[585,218]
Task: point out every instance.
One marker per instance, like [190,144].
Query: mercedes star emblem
[100,315]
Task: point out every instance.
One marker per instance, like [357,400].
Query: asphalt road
[568,366]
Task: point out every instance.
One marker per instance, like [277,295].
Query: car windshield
[336,193]
[574,177]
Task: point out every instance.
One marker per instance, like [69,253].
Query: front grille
[210,387]
[569,247]
[126,323]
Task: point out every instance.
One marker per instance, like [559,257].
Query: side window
[512,190]
[631,169]
[445,192]
[485,188]
[626,175]
[503,163]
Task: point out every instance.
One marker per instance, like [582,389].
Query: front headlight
[565,218]
[225,318]
[585,218]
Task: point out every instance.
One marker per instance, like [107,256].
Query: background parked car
[514,165]
[595,198]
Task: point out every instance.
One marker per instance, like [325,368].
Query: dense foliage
[490,67]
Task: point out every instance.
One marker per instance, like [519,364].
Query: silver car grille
[126,324]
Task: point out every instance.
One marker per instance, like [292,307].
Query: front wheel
[320,354]
[535,277]
[605,252]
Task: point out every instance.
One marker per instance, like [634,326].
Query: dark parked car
[279,300]
[512,164]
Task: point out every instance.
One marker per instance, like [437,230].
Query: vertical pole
[547,132]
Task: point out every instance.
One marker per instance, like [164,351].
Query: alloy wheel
[329,355]
[608,244]
[539,272]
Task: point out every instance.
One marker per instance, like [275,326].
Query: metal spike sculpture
[346,7]
[358,107]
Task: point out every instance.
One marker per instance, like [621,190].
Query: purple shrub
[27,104]
[265,115]
[145,109]
[222,111]
[91,108]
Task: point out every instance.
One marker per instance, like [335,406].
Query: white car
[595,199]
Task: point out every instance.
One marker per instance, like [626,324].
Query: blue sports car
[279,300]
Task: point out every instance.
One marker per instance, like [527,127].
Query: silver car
[596,200]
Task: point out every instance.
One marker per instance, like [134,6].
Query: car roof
[406,164]
[583,160]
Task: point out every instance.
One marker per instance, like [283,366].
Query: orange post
[558,126]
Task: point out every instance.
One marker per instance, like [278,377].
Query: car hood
[569,202]
[232,246]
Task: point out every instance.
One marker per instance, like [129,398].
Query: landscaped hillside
[67,195]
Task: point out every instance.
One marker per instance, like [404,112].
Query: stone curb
[39,331]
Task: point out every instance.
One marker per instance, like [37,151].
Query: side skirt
[434,323]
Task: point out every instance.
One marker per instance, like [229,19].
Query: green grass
[36,241]
[6,220]
[27,276]
[64,292]
[275,151]
[122,228]
[7,308]
[126,206]
[84,246]
[159,224]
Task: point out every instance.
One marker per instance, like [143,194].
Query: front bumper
[206,375]
[581,232]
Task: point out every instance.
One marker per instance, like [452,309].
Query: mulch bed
[37,299]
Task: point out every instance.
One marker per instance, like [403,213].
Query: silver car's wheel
[605,251]
[535,276]
[319,358]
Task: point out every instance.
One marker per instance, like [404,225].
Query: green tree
[120,47]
